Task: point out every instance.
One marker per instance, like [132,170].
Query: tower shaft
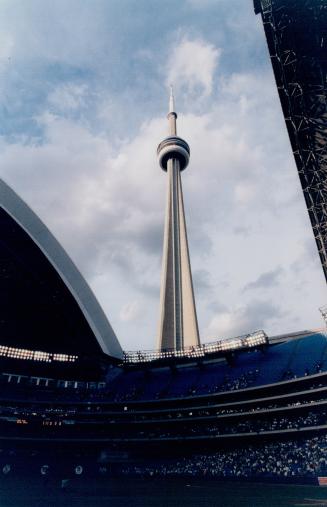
[178,326]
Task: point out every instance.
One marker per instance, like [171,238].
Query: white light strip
[247,341]
[35,355]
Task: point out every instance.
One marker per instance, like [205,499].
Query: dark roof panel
[45,304]
[296,33]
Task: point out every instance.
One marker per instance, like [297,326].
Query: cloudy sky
[83,103]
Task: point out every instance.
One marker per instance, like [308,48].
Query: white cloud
[202,4]
[192,65]
[56,32]
[242,319]
[244,193]
[68,97]
[6,46]
[130,312]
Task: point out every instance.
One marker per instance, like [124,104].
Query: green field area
[164,493]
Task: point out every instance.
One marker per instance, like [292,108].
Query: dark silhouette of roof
[45,303]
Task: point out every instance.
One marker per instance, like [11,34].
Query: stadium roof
[296,33]
[45,303]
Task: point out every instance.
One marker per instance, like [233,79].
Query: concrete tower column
[178,326]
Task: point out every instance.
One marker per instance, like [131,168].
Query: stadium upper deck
[268,403]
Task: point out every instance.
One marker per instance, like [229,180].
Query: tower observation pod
[178,324]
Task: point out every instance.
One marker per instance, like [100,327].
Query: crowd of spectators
[228,383]
[254,422]
[306,458]
[253,425]
[244,381]
[289,374]
[125,387]
[119,392]
[278,461]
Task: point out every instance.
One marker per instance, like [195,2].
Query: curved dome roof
[45,303]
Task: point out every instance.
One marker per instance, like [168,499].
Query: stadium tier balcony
[278,390]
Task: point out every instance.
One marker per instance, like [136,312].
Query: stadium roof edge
[65,268]
[295,335]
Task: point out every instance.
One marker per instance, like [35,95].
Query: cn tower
[178,324]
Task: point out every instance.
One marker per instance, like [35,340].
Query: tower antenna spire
[172,100]
[172,115]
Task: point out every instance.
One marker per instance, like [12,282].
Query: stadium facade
[73,404]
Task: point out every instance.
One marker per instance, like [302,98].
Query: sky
[83,104]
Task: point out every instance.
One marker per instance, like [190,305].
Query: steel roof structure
[296,33]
